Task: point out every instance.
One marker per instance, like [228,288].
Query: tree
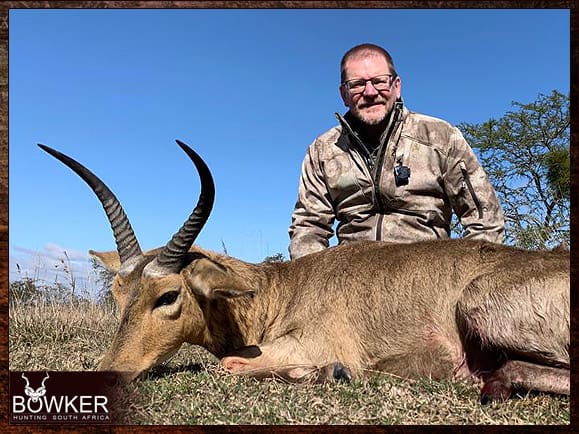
[526,154]
[23,291]
[105,278]
[278,257]
[30,291]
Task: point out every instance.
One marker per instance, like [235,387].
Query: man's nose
[369,89]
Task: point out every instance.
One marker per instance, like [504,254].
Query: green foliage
[30,291]
[558,164]
[23,291]
[526,154]
[105,279]
[278,257]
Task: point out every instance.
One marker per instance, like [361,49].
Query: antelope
[456,309]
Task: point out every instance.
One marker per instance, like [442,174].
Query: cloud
[52,264]
[57,252]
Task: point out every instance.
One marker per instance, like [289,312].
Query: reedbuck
[452,309]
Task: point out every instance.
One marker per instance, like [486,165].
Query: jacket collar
[397,111]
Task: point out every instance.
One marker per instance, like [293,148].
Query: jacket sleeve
[313,216]
[471,194]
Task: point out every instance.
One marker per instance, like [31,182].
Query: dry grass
[192,389]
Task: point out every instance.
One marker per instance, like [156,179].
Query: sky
[249,90]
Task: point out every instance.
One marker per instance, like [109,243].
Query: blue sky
[249,90]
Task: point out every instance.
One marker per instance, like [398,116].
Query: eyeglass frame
[391,76]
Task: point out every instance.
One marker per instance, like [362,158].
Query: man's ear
[345,95]
[397,86]
[110,260]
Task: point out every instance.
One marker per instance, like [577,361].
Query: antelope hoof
[341,373]
[495,390]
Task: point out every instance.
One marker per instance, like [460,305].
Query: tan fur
[437,309]
[440,309]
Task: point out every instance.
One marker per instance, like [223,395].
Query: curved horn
[27,383]
[127,244]
[45,378]
[170,258]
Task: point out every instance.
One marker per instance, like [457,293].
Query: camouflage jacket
[339,181]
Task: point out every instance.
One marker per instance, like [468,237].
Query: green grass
[193,389]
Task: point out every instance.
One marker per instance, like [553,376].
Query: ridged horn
[127,244]
[170,259]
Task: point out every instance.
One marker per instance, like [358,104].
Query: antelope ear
[210,279]
[110,260]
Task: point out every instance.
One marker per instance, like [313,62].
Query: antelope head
[35,394]
[157,290]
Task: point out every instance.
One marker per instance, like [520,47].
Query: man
[386,173]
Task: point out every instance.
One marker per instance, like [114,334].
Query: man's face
[370,106]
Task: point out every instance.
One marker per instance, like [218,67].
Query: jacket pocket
[344,180]
[421,163]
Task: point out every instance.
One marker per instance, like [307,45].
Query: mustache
[371,103]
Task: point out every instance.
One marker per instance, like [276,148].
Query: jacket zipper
[365,156]
[378,169]
[395,121]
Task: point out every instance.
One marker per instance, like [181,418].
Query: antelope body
[455,309]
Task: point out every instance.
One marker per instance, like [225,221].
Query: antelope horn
[170,259]
[27,383]
[45,378]
[127,244]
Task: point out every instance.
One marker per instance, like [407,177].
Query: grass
[192,388]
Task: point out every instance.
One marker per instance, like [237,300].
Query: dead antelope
[446,309]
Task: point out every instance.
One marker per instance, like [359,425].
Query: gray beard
[373,122]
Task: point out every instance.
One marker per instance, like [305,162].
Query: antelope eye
[166,299]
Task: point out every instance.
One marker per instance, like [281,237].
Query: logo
[63,397]
[35,395]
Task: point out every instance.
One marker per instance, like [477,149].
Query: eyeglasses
[380,82]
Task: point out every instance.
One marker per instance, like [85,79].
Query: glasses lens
[381,82]
[357,86]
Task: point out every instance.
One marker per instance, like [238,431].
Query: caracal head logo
[35,394]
